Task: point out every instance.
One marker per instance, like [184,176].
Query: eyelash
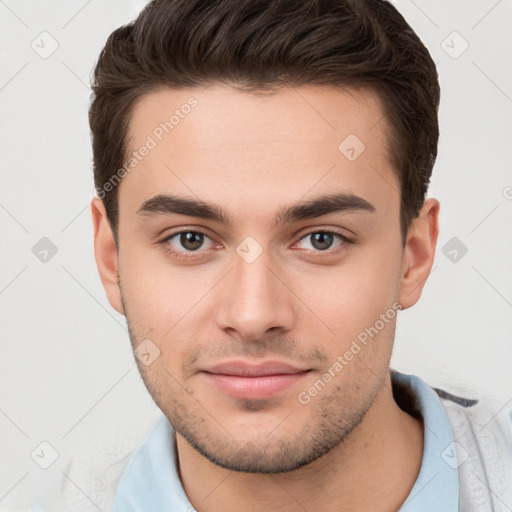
[191,254]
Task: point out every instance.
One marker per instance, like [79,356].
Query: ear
[105,253]
[419,252]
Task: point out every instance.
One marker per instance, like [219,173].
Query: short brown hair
[264,45]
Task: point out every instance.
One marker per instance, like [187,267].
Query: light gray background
[67,372]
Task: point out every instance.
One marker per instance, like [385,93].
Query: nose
[255,299]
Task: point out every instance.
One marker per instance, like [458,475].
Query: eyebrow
[317,207]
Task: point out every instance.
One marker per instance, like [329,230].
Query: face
[260,266]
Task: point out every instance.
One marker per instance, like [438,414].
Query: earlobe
[419,253]
[105,253]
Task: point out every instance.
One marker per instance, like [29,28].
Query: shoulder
[483,443]
[481,450]
[481,420]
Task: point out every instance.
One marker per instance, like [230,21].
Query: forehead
[221,114]
[237,147]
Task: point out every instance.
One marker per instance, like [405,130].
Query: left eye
[323,240]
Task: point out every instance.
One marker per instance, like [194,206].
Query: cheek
[376,278]
[349,297]
[154,288]
[165,303]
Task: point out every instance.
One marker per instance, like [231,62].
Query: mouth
[242,380]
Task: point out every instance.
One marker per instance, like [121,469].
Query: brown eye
[191,240]
[184,242]
[323,240]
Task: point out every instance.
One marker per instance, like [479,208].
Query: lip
[254,381]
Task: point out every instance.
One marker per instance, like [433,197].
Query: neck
[374,469]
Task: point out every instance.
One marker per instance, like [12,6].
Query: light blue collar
[151,481]
[437,485]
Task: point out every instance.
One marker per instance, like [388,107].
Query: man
[261,171]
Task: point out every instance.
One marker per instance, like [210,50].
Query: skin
[351,447]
